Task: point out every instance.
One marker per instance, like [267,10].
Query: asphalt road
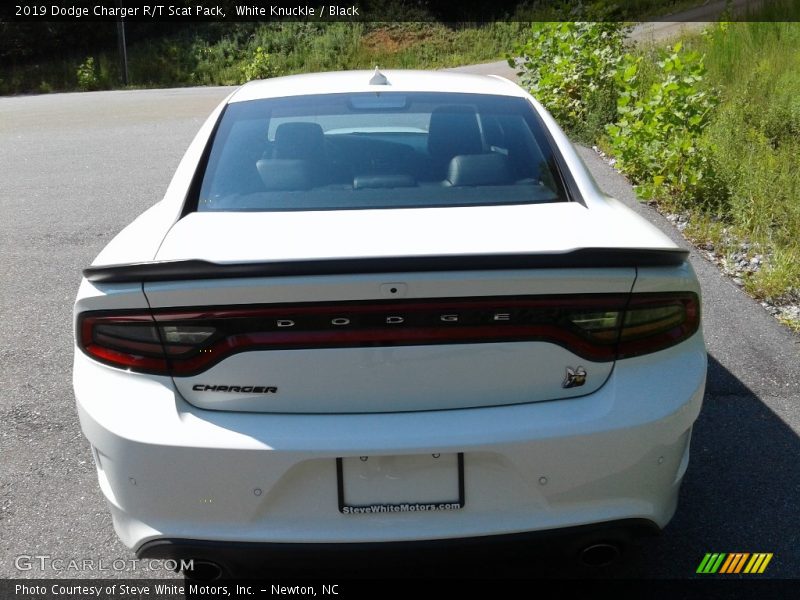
[76,168]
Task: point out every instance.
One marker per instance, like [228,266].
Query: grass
[704,229]
[291,47]
[755,141]
[793,324]
[778,276]
[753,144]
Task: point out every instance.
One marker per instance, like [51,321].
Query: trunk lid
[386,341]
[230,237]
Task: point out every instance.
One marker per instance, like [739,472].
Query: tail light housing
[187,341]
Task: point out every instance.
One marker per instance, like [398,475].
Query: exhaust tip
[203,570]
[600,554]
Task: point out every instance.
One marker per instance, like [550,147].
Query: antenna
[378,78]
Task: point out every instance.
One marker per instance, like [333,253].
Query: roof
[358,81]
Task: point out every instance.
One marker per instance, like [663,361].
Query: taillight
[136,342]
[128,341]
[654,322]
[183,342]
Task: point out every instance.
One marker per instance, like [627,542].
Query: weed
[657,138]
[779,277]
[571,69]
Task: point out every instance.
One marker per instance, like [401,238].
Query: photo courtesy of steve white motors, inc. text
[171,590]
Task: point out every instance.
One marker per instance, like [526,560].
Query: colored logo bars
[734,562]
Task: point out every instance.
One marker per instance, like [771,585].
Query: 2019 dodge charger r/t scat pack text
[385,307]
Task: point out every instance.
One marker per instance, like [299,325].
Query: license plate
[400,484]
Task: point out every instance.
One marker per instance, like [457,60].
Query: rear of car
[385,309]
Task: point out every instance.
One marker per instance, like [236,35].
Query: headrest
[361,182]
[454,130]
[285,174]
[299,140]
[479,169]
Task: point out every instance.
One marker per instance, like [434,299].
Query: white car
[386,307]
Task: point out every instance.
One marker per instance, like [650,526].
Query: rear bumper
[171,471]
[238,559]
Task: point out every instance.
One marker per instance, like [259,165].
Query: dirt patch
[391,40]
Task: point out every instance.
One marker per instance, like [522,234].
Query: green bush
[217,64]
[260,66]
[570,68]
[87,75]
[658,137]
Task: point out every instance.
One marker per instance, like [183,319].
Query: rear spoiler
[176,270]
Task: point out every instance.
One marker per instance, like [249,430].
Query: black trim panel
[180,270]
[193,193]
[250,559]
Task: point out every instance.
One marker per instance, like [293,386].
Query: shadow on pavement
[743,480]
[744,473]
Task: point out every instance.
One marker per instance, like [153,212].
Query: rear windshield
[378,150]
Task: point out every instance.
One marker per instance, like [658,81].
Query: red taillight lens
[656,321]
[182,342]
[137,343]
[128,341]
